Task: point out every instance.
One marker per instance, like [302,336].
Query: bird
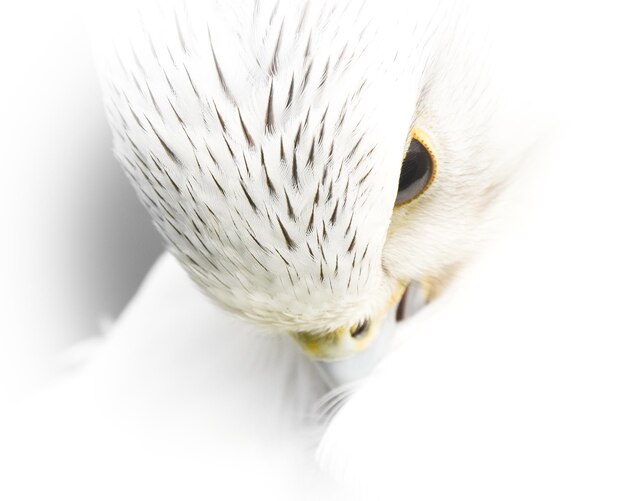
[300,168]
[379,284]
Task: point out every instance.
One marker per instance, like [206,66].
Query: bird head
[314,166]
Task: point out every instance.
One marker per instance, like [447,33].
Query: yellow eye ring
[419,168]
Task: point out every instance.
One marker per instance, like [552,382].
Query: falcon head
[316,167]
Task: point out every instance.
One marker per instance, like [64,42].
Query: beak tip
[349,370]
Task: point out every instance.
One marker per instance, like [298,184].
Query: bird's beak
[343,358]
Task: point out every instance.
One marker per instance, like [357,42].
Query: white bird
[309,165]
[304,169]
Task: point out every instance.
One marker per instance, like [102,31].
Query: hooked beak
[343,357]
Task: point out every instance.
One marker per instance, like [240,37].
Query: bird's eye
[418,169]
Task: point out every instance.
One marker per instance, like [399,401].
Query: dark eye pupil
[417,169]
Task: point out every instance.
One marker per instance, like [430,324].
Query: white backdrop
[75,241]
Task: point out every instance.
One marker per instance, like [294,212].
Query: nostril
[360,329]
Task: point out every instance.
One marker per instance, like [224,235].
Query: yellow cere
[339,343]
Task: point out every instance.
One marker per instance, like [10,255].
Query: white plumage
[509,385]
[265,139]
